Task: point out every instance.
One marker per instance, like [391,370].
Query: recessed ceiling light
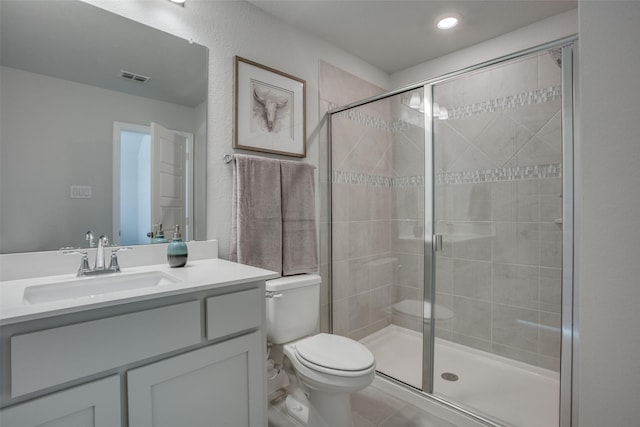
[182,2]
[448,22]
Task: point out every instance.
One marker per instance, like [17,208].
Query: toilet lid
[335,352]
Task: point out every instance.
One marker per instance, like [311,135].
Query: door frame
[188,232]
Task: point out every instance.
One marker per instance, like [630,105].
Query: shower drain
[449,376]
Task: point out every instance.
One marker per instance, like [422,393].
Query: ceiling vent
[133,76]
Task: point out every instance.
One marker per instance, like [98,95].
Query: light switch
[80,191]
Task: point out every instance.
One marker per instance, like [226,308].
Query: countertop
[195,276]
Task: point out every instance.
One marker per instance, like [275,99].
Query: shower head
[556,55]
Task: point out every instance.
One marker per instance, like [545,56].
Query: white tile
[514,77]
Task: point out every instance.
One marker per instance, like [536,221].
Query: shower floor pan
[515,393]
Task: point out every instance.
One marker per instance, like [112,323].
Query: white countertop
[195,276]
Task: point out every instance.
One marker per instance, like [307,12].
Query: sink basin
[94,287]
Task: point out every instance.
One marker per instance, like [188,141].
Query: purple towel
[256,225]
[299,241]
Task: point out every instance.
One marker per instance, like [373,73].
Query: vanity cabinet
[195,359]
[221,382]
[95,404]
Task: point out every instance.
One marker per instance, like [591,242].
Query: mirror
[74,77]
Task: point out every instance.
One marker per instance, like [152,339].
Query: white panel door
[95,404]
[168,175]
[221,385]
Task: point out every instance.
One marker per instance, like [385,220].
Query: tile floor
[370,407]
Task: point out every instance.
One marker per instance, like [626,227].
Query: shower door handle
[437,242]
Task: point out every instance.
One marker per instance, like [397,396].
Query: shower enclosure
[450,202]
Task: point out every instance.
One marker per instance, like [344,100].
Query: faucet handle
[121,248]
[74,252]
[113,265]
[84,261]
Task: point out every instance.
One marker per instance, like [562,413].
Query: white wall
[609,269]
[547,30]
[231,28]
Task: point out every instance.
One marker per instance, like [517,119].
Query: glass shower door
[377,230]
[446,231]
[497,146]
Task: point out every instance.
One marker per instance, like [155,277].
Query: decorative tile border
[346,177]
[531,97]
[462,177]
[408,181]
[517,173]
[538,96]
[357,116]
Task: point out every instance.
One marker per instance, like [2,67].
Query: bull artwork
[269,110]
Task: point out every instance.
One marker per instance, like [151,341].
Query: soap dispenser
[158,237]
[177,250]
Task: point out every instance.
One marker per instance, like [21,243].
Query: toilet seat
[334,355]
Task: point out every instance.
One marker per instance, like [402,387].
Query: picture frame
[269,110]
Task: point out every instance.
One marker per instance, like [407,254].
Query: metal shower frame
[569,329]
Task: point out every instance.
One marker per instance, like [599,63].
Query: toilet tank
[293,307]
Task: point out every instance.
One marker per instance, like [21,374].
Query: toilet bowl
[330,368]
[416,314]
[323,369]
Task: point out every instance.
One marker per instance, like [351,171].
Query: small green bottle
[159,236]
[177,250]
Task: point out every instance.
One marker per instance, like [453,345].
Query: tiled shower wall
[498,205]
[362,283]
[378,204]
[498,202]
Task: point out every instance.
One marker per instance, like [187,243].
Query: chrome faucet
[99,266]
[89,237]
[102,242]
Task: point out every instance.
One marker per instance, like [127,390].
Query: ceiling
[82,43]
[396,34]
[390,34]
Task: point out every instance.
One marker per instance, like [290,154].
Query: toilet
[324,368]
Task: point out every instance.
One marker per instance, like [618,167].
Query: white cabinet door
[96,404]
[222,385]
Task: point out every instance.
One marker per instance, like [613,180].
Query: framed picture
[270,110]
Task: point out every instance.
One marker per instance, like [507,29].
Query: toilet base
[329,409]
[325,394]
[297,410]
